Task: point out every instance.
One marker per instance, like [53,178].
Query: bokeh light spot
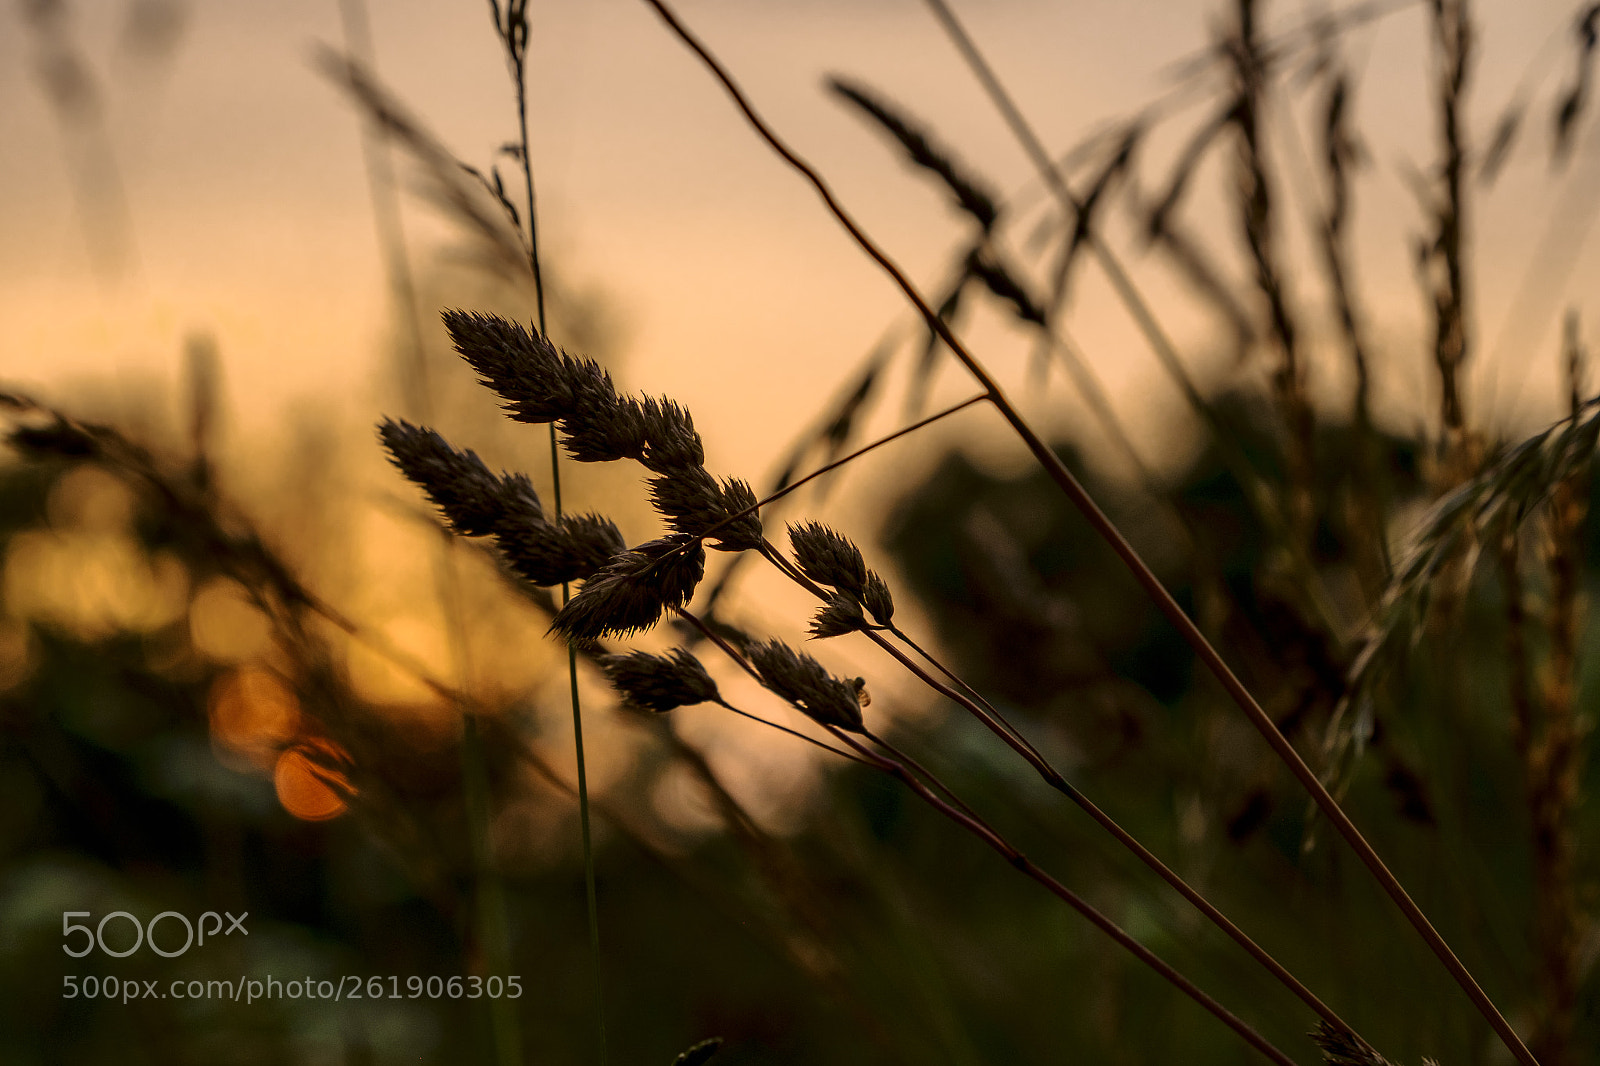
[307,786]
[253,714]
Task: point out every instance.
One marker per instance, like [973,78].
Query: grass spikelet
[1341,1048]
[693,501]
[601,427]
[876,599]
[660,683]
[478,503]
[1576,98]
[970,195]
[800,679]
[574,549]
[522,367]
[842,615]
[447,183]
[1004,285]
[474,500]
[1489,506]
[1506,130]
[828,558]
[671,443]
[630,593]
[1442,260]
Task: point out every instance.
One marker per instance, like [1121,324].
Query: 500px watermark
[146,933]
[249,990]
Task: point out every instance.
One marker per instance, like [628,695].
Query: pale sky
[249,218]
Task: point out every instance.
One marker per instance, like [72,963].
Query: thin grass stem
[725,577]
[980,708]
[1138,307]
[922,771]
[997,724]
[1020,862]
[516,22]
[793,733]
[963,816]
[836,464]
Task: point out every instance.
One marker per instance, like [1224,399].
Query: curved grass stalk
[1109,532]
[962,815]
[975,704]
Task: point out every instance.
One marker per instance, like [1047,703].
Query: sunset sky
[246,213]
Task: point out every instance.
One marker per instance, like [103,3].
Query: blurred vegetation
[232,686]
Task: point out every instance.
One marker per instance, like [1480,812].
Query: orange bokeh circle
[307,786]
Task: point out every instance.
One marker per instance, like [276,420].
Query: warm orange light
[307,787]
[253,714]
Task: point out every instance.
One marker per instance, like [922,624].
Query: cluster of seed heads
[479,503]
[663,683]
[830,559]
[539,383]
[626,590]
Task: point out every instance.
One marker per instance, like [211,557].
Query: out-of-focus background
[236,645]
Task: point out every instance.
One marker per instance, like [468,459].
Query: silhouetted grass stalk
[969,699]
[1453,41]
[924,784]
[513,29]
[1108,531]
[1077,210]
[1257,220]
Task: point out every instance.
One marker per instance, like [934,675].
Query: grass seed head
[800,679]
[876,599]
[671,443]
[525,369]
[969,193]
[660,682]
[842,615]
[472,498]
[1341,1048]
[600,426]
[572,550]
[692,501]
[630,593]
[828,558]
